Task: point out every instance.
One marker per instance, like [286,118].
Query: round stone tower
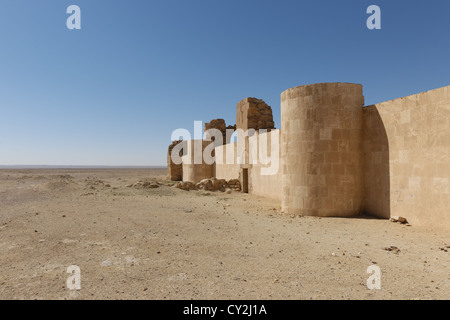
[195,169]
[321,148]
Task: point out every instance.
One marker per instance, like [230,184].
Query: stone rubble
[211,184]
[398,219]
[144,184]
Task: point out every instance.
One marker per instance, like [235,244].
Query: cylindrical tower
[195,169]
[321,148]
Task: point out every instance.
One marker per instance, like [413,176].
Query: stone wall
[407,166]
[338,158]
[192,171]
[255,114]
[174,171]
[267,183]
[224,170]
[219,124]
[376,165]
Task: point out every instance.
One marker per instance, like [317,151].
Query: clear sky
[113,92]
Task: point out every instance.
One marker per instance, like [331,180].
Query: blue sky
[113,92]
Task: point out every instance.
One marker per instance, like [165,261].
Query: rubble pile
[211,184]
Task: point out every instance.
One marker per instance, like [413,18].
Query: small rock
[106,263]
[393,249]
[398,219]
[185,185]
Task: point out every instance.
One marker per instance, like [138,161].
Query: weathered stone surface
[398,219]
[317,178]
[185,185]
[234,184]
[220,125]
[144,184]
[194,170]
[255,114]
[407,158]
[174,171]
[212,184]
[338,158]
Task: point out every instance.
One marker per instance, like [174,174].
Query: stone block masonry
[339,158]
[407,158]
[255,114]
[321,144]
[174,171]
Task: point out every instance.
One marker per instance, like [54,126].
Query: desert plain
[131,241]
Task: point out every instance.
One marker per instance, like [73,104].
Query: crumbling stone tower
[251,113]
[255,114]
[174,171]
[220,125]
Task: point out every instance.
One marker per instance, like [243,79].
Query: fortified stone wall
[338,158]
[376,165]
[192,171]
[267,183]
[224,169]
[407,152]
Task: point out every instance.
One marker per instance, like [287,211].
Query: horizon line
[50,166]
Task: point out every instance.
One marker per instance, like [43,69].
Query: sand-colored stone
[192,171]
[174,171]
[255,114]
[317,179]
[219,124]
[339,158]
[407,158]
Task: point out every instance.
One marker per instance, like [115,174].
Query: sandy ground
[165,243]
